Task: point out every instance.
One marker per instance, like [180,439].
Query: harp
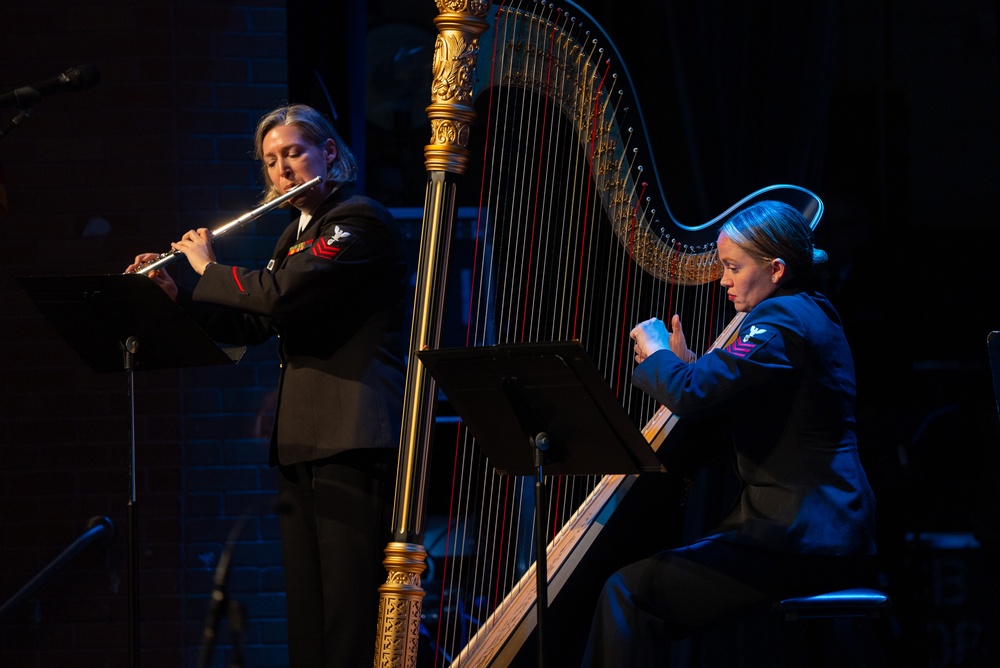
[570,239]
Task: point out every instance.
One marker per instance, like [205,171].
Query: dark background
[887,110]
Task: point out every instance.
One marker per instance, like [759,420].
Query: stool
[840,628]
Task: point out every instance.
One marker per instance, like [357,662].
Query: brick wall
[91,178]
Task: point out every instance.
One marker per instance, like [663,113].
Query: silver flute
[164,259]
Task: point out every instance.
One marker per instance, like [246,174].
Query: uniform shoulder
[796,311]
[359,208]
[787,309]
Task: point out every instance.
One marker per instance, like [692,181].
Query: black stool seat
[835,629]
[860,602]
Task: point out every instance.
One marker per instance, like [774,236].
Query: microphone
[73,79]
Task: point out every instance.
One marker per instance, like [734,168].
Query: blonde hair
[316,129]
[771,229]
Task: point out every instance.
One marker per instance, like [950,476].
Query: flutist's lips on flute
[308,199]
[293,186]
[295,201]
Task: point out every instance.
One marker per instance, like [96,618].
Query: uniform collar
[337,196]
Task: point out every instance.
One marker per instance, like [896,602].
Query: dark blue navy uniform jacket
[787,383]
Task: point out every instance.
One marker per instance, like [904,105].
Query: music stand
[540,405]
[125,322]
[993,347]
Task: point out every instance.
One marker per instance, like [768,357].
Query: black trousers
[682,592]
[333,544]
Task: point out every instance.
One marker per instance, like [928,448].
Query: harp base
[399,606]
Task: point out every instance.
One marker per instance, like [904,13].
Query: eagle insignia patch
[754,332]
[338,235]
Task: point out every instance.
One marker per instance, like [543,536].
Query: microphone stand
[219,603]
[21,117]
[98,528]
[24,110]
[219,599]
[237,624]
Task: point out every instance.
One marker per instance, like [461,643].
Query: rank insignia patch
[740,348]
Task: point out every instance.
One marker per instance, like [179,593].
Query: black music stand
[125,322]
[993,348]
[540,405]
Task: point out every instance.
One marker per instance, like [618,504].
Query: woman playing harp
[804,521]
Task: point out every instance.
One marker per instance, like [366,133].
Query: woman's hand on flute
[197,248]
[159,276]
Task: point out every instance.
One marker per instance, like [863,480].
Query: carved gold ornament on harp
[451,115]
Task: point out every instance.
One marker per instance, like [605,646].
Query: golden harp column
[460,24]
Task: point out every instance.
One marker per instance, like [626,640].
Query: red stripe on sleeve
[239,284]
